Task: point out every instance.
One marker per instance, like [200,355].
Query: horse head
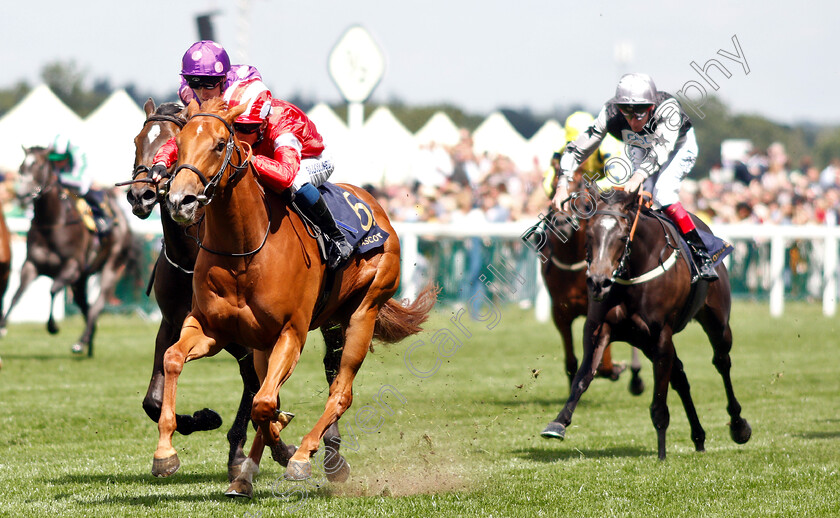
[205,155]
[161,125]
[608,241]
[35,175]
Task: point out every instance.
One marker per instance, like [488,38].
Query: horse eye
[220,146]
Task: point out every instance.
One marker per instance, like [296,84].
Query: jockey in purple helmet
[206,72]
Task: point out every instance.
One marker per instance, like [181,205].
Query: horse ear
[235,112]
[149,107]
[192,108]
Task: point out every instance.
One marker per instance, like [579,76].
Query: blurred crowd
[763,188]
[457,185]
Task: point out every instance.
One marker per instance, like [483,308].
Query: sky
[542,55]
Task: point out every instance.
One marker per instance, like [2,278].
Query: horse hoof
[554,430]
[240,489]
[52,328]
[339,473]
[165,467]
[298,470]
[614,373]
[281,453]
[206,419]
[637,386]
[740,431]
[77,348]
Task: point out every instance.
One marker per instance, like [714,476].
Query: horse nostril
[189,199]
[149,195]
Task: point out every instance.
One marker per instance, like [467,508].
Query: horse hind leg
[679,382]
[358,336]
[636,386]
[336,467]
[719,332]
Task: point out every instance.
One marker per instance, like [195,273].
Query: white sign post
[356,65]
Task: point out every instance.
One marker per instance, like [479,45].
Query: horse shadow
[547,455]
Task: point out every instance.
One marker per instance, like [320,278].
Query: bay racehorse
[640,292]
[59,245]
[259,280]
[563,270]
[172,282]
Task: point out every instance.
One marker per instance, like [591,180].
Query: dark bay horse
[644,298]
[564,274]
[60,246]
[173,273]
[258,281]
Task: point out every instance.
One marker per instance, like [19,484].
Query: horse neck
[648,244]
[236,220]
[48,208]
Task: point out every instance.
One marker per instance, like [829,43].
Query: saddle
[718,249]
[100,220]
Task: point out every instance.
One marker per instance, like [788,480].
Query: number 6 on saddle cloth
[352,216]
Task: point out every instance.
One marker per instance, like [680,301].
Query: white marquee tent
[34,121]
[107,137]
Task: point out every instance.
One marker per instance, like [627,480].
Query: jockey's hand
[157,171]
[561,194]
[635,182]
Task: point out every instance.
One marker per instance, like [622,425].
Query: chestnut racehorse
[644,298]
[173,286]
[258,280]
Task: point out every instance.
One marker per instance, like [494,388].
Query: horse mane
[619,199]
[215,105]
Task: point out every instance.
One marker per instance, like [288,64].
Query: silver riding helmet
[635,89]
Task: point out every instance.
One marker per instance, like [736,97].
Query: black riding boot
[321,216]
[701,256]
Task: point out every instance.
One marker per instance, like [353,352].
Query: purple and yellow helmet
[205,58]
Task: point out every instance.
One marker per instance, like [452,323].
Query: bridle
[621,270]
[49,183]
[211,184]
[141,168]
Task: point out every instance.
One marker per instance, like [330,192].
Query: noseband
[211,184]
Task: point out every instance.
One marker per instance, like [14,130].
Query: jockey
[659,144]
[71,165]
[206,72]
[594,166]
[288,153]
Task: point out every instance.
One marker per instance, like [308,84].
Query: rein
[143,168]
[621,269]
[211,184]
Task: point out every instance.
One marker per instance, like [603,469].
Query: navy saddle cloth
[354,218]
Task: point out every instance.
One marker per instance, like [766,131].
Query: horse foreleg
[192,345]
[663,358]
[28,273]
[358,336]
[68,277]
[243,484]
[564,326]
[596,337]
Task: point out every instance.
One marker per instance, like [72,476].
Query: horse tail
[399,320]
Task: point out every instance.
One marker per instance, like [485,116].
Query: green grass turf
[74,440]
